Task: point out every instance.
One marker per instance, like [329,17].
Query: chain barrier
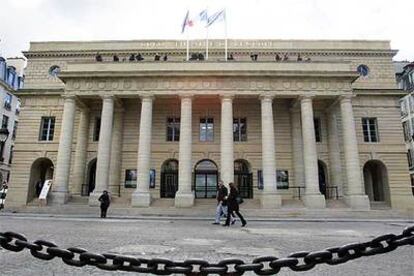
[267,265]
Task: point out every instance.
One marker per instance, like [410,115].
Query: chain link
[266,265]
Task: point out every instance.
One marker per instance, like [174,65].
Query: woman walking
[233,205]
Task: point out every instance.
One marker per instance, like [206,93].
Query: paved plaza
[180,238]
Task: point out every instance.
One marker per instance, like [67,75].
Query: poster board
[45,191]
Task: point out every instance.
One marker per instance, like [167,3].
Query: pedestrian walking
[221,208]
[233,205]
[105,202]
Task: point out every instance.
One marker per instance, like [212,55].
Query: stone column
[226,140]
[116,152]
[297,148]
[104,150]
[270,197]
[312,198]
[60,192]
[355,196]
[81,150]
[185,196]
[142,197]
[335,166]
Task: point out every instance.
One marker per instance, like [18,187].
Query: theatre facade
[307,120]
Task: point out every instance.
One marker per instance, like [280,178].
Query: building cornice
[380,92]
[216,46]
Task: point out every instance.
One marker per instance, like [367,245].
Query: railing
[334,188]
[298,188]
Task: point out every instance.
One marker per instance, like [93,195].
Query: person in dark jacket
[222,203]
[233,205]
[105,202]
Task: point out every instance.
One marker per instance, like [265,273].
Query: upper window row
[47,127]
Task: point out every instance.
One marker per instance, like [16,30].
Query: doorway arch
[169,178]
[243,178]
[323,183]
[90,186]
[206,178]
[41,169]
[376,181]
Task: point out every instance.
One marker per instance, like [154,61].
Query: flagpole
[188,48]
[225,35]
[207,43]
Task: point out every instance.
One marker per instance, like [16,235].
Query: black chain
[266,265]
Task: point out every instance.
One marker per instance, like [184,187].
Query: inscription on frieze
[206,84]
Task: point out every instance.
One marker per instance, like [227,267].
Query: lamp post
[4,134]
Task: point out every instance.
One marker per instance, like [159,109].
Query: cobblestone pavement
[183,239]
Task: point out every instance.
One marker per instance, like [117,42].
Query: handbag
[239,199]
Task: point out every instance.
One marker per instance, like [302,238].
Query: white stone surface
[104,149]
[59,193]
[142,197]
[226,142]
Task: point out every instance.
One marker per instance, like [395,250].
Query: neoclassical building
[283,119]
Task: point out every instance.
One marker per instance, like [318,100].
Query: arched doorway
[243,179]
[169,178]
[322,178]
[90,186]
[376,181]
[206,177]
[41,170]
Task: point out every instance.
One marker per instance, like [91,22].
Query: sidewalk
[293,211]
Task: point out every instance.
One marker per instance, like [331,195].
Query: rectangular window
[239,130]
[18,106]
[173,129]
[410,159]
[206,129]
[47,129]
[7,101]
[403,105]
[11,154]
[411,103]
[97,129]
[406,128]
[370,130]
[5,122]
[317,125]
[16,123]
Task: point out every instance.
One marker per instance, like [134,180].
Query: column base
[271,201]
[59,198]
[358,202]
[93,199]
[184,200]
[314,201]
[141,199]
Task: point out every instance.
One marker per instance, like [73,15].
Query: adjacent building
[405,79]
[11,80]
[306,119]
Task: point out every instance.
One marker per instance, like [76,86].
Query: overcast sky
[22,21]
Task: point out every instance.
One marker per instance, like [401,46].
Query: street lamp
[4,134]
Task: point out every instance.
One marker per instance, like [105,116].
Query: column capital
[107,97]
[186,96]
[305,97]
[266,97]
[146,97]
[226,97]
[69,97]
[346,97]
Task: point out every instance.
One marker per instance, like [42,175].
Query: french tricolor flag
[187,22]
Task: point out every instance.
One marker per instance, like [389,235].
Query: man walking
[105,202]
[221,208]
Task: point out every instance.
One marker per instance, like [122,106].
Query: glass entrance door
[206,184]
